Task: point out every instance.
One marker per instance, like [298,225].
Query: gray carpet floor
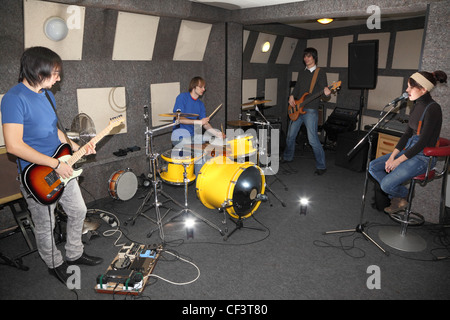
[290,258]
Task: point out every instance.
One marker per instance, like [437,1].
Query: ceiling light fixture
[325,20]
[55,28]
[265,47]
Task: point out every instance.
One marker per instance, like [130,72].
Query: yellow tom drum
[173,171]
[231,185]
[242,146]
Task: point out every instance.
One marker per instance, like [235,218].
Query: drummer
[188,131]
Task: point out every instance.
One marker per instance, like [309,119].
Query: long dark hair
[37,65]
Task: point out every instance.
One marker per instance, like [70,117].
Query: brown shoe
[397,204]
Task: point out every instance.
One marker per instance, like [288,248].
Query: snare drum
[234,186]
[242,146]
[173,171]
[123,185]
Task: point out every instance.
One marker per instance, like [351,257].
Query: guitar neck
[310,98]
[83,150]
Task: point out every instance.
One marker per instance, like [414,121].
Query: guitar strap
[60,126]
[314,79]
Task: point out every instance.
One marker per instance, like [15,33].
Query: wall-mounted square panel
[383,45]
[287,50]
[388,88]
[321,45]
[270,91]
[192,41]
[407,50]
[163,96]
[339,51]
[38,13]
[103,104]
[258,55]
[245,35]
[249,87]
[135,36]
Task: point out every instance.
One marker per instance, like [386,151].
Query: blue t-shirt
[186,104]
[33,110]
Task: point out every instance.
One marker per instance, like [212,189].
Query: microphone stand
[267,167]
[360,227]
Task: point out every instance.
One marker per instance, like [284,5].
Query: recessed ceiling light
[325,20]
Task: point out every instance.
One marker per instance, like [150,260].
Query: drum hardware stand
[266,166]
[239,222]
[186,211]
[156,183]
[360,227]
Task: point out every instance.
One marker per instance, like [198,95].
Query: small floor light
[303,205]
[189,224]
[55,28]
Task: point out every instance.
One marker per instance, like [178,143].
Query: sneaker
[397,204]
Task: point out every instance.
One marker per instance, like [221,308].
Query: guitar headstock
[114,122]
[336,85]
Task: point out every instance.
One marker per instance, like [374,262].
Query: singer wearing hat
[424,127]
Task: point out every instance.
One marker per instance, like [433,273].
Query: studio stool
[411,241]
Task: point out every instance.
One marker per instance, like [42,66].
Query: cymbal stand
[156,183]
[186,211]
[267,126]
[360,227]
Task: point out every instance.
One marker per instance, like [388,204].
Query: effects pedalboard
[128,272]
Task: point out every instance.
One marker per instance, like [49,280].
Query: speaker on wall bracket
[362,68]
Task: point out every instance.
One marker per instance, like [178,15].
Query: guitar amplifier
[340,121]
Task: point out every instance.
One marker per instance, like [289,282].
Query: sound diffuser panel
[36,13]
[102,104]
[192,41]
[135,36]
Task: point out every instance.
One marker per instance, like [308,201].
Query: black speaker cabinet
[346,142]
[363,64]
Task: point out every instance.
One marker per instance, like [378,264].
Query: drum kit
[233,187]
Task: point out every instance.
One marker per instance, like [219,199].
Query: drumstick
[217,109]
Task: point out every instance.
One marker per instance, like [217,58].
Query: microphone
[404,96]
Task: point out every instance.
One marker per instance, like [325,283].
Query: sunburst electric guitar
[294,112]
[44,184]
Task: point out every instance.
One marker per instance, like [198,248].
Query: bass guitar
[295,111]
[44,184]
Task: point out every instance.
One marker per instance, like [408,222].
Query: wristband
[57,167]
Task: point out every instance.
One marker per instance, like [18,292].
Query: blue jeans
[392,183]
[310,119]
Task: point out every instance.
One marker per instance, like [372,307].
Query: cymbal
[176,114]
[255,102]
[239,123]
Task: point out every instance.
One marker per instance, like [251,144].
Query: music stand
[360,227]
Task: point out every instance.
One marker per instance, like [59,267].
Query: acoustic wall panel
[262,57]
[163,96]
[135,36]
[407,50]
[36,13]
[321,45]
[339,51]
[192,41]
[270,91]
[388,88]
[102,104]
[287,50]
[383,45]
[249,87]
